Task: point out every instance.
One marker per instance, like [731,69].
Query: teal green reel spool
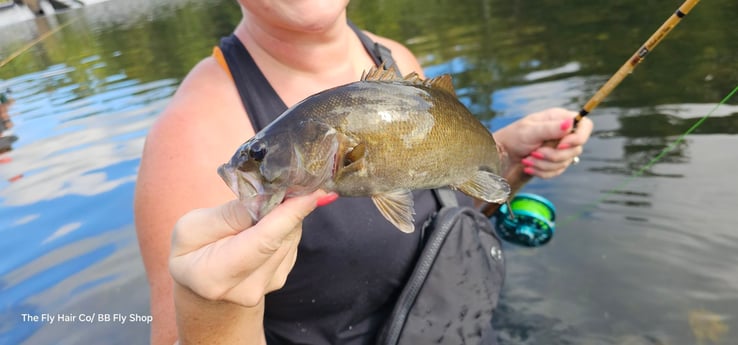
[531,222]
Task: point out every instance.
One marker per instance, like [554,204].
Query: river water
[649,259]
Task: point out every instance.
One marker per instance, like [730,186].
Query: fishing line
[651,163]
[33,43]
[529,219]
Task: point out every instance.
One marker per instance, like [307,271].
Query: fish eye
[258,151]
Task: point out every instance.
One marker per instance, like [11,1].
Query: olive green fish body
[380,137]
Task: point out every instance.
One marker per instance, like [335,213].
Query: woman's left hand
[523,141]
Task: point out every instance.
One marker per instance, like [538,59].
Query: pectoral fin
[397,207]
[487,186]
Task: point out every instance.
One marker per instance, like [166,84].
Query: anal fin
[397,207]
[486,186]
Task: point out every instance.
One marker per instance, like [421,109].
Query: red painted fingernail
[563,146]
[566,125]
[528,170]
[327,199]
[537,154]
[527,162]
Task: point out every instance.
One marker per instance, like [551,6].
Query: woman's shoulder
[200,128]
[206,101]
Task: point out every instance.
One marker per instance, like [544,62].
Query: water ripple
[77,158]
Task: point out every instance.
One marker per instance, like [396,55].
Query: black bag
[454,288]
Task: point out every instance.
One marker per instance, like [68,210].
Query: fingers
[204,226]
[200,227]
[579,136]
[533,131]
[266,253]
[257,243]
[269,276]
[251,279]
[547,162]
[281,221]
[553,114]
[220,255]
[550,124]
[555,123]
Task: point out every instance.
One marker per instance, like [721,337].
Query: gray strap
[379,53]
[446,197]
[386,56]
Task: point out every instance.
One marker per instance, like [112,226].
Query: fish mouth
[244,185]
[249,189]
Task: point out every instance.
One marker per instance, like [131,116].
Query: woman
[223,267]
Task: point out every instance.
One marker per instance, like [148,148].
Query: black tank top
[351,262]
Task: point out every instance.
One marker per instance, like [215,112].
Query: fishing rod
[46,35]
[529,219]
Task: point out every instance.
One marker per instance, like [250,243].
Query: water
[648,260]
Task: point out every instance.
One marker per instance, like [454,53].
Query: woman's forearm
[200,321]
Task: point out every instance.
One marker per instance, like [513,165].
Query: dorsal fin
[379,74]
[442,82]
[413,78]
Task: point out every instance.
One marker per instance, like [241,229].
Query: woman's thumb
[291,212]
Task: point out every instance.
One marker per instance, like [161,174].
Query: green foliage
[497,43]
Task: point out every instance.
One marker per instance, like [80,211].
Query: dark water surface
[647,260]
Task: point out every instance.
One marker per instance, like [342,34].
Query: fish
[380,137]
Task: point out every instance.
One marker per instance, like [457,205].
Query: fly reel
[531,222]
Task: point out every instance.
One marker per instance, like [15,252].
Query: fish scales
[380,138]
[421,128]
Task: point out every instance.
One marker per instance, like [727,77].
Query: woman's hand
[523,141]
[223,265]
[220,255]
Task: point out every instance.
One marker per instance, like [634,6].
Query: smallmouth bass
[382,136]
